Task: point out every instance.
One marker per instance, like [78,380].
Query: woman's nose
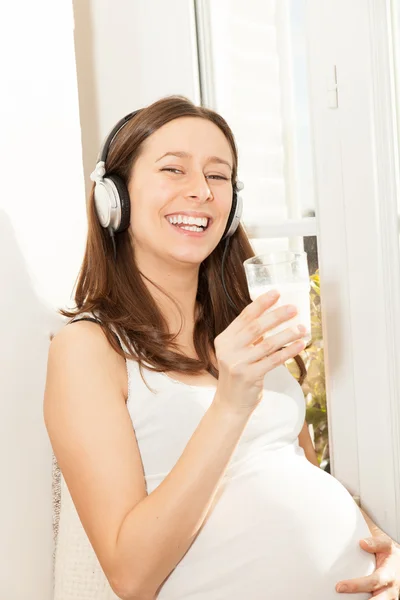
[198,188]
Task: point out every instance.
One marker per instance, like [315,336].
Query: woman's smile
[190,224]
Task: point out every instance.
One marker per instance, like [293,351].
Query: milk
[296,293]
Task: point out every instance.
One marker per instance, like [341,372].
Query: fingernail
[342,588]
[301,328]
[368,542]
[273,294]
[291,310]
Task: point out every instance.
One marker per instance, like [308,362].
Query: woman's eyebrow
[182,154]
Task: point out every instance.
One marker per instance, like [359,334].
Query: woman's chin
[190,259]
[188,256]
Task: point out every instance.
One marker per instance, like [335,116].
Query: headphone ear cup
[234,216]
[124,202]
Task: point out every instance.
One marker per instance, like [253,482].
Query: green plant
[314,383]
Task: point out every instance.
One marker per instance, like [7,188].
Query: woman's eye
[171,170]
[217,177]
[178,172]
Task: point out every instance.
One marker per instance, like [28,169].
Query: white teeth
[192,228]
[178,219]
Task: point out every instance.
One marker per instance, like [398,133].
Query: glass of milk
[286,272]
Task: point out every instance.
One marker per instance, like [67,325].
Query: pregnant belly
[279,529]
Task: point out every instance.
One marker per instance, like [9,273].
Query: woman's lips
[189,233]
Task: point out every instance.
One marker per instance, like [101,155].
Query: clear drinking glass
[286,272]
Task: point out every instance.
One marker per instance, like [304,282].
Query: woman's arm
[138,538]
[305,442]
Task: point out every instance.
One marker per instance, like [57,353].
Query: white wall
[129,54]
[42,229]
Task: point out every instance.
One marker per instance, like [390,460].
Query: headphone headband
[102,157]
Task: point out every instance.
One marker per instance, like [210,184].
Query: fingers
[278,358]
[264,323]
[378,544]
[267,347]
[253,311]
[383,583]
[387,594]
[381,578]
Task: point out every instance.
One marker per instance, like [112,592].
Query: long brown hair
[114,289]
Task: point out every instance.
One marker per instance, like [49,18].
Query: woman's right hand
[244,359]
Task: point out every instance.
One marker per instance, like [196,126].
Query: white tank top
[279,528]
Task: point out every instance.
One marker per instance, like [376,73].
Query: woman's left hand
[384,583]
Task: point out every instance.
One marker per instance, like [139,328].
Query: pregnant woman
[176,426]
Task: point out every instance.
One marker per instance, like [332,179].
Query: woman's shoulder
[82,341]
[80,330]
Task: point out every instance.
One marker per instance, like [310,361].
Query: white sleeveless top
[279,528]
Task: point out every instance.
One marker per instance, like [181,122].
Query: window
[254,72]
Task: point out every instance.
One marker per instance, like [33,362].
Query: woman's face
[183,173]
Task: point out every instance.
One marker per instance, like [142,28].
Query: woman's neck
[175,294]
